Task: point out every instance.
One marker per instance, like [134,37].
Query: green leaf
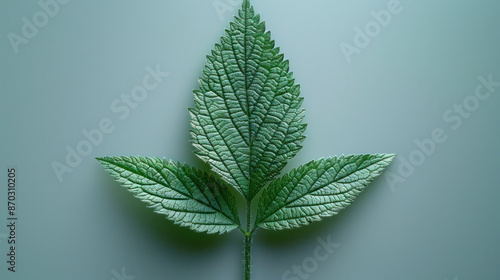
[320,188]
[247,119]
[187,196]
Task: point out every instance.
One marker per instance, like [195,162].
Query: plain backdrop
[371,83]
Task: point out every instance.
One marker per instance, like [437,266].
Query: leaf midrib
[250,141]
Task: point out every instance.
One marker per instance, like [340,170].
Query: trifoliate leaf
[320,188]
[187,196]
[247,119]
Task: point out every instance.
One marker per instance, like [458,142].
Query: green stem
[248,242]
[248,255]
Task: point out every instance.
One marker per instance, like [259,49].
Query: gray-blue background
[437,220]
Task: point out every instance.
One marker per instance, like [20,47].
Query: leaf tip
[101,159]
[390,157]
